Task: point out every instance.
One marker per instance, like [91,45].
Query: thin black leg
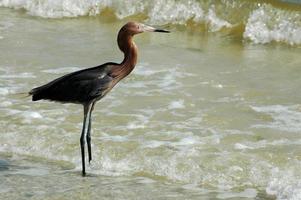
[82,140]
[88,137]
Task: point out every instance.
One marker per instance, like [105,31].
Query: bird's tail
[35,94]
[39,92]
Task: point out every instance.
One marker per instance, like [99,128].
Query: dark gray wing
[77,87]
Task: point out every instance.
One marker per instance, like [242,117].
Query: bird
[87,86]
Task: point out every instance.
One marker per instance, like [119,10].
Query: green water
[202,116]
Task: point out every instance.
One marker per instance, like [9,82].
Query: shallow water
[203,115]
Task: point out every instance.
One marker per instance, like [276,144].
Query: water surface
[203,115]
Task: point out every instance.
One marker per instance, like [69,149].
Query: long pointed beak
[162,31]
[152,29]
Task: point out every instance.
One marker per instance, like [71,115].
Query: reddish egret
[90,85]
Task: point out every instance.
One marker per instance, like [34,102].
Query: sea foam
[284,184]
[285,118]
[266,24]
[262,23]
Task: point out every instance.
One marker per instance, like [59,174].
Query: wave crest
[266,24]
[262,23]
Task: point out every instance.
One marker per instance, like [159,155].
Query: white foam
[179,104]
[5,189]
[4,25]
[144,70]
[191,140]
[285,184]
[20,75]
[32,172]
[61,70]
[171,11]
[267,24]
[113,167]
[32,115]
[240,146]
[115,138]
[264,24]
[56,8]
[247,193]
[26,116]
[153,144]
[145,180]
[220,86]
[6,103]
[4,91]
[265,143]
[285,118]
[216,23]
[158,12]
[136,84]
[126,8]
[135,125]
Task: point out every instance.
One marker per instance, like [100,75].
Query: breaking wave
[256,21]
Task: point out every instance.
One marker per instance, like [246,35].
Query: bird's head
[133,28]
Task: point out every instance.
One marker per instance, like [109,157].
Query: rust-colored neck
[129,48]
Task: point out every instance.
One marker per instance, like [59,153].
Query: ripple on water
[267,24]
[179,104]
[284,118]
[265,143]
[4,165]
[4,91]
[285,184]
[4,25]
[25,116]
[247,193]
[157,79]
[61,70]
[18,75]
[6,103]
